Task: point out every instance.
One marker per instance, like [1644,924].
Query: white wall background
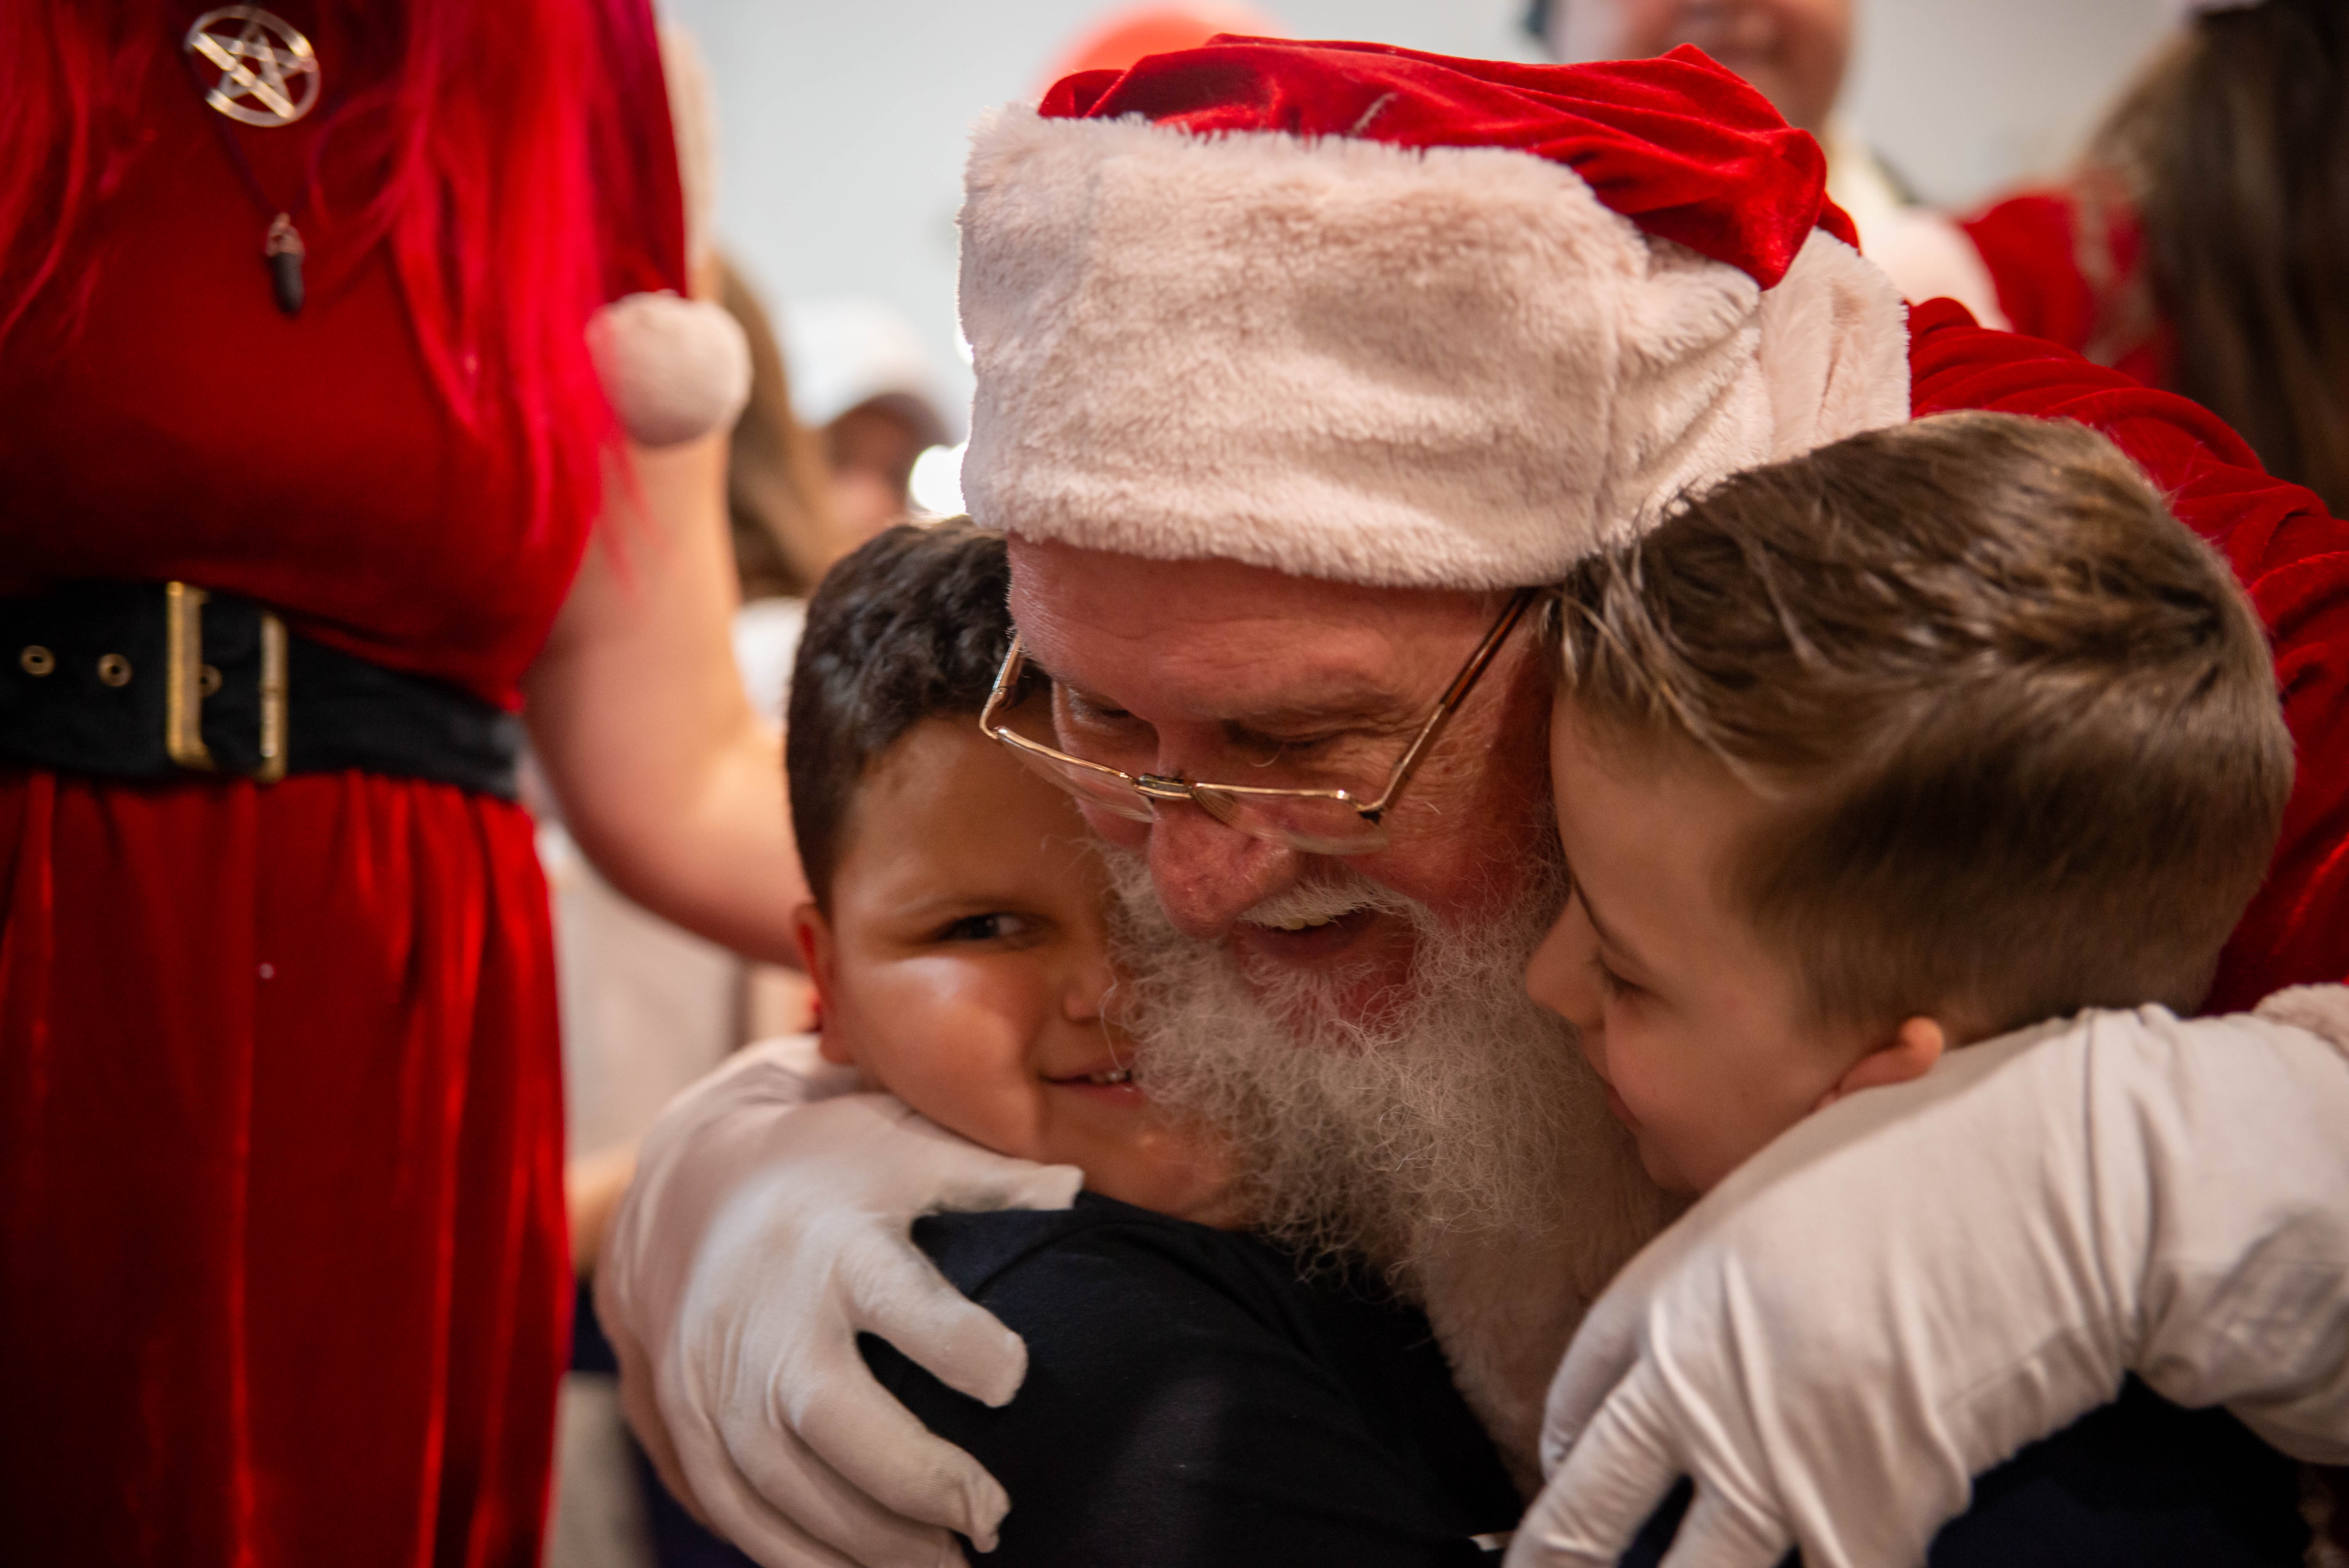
[1965,98]
[841,123]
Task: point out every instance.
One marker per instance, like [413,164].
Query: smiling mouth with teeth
[1117,1075]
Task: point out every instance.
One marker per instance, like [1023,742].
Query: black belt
[163,680]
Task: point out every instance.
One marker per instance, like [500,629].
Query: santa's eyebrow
[1340,707]
[1362,706]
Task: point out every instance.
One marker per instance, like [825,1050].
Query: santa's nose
[1208,876]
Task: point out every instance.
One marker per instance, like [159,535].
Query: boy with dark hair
[1932,735]
[1193,1398]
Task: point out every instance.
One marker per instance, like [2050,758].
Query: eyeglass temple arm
[1015,660]
[1007,680]
[1453,695]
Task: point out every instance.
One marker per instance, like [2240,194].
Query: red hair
[525,184]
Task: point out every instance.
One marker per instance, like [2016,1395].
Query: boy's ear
[817,956]
[1909,1053]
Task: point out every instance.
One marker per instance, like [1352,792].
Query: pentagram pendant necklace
[268,76]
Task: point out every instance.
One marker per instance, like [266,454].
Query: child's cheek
[943,1046]
[1639,1062]
[987,1046]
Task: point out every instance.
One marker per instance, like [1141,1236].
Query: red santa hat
[1353,312]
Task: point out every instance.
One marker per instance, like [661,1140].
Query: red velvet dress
[283,1270]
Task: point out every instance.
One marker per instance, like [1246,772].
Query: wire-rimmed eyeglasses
[1314,822]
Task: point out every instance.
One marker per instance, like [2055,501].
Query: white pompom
[675,370]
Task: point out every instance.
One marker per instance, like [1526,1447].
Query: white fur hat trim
[675,370]
[1452,367]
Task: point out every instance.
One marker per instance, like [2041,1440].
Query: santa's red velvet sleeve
[2289,552]
[2027,246]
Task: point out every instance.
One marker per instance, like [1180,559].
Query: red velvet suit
[282,1272]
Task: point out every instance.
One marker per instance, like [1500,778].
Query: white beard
[1458,1141]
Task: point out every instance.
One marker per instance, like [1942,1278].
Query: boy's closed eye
[1613,984]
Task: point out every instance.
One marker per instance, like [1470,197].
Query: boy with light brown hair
[1932,735]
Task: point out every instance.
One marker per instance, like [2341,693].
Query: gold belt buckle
[188,680]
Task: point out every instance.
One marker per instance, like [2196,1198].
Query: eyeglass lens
[1317,826]
[1313,826]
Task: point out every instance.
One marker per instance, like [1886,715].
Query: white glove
[761,1235]
[1913,1284]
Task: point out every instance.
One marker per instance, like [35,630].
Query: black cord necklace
[268,76]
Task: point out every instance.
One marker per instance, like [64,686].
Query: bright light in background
[936,484]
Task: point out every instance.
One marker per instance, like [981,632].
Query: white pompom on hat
[1505,313]
[675,370]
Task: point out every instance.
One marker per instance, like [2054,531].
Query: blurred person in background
[352,403]
[1795,52]
[2203,243]
[1115,41]
[778,494]
[861,378]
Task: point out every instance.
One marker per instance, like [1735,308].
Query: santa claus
[1294,361]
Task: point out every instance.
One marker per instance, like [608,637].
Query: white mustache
[1317,903]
